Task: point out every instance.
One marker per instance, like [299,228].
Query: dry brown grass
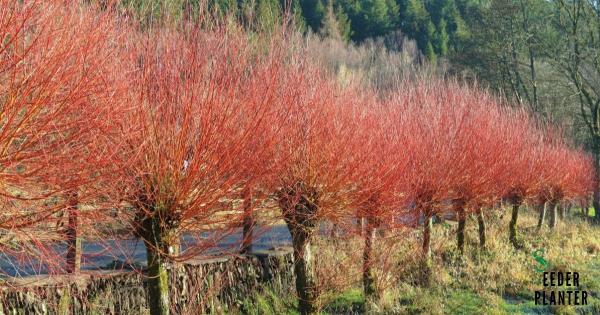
[497,280]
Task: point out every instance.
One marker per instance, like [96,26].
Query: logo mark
[538,255]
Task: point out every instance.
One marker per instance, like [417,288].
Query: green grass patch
[348,302]
[512,305]
[464,302]
[591,211]
[268,302]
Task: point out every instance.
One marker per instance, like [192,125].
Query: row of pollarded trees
[468,152]
[169,123]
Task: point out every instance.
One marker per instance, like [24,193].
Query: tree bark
[513,225]
[158,289]
[542,215]
[460,233]
[304,270]
[73,256]
[553,214]
[427,236]
[158,286]
[248,224]
[561,211]
[427,225]
[363,226]
[368,274]
[481,223]
[299,204]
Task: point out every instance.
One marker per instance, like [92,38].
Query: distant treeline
[438,26]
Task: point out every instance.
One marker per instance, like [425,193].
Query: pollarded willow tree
[578,181]
[316,163]
[565,176]
[519,165]
[58,94]
[552,153]
[433,117]
[268,82]
[496,146]
[199,110]
[480,159]
[379,170]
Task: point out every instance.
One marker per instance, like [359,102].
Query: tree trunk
[542,216]
[299,204]
[553,214]
[363,226]
[158,286]
[481,223]
[304,270]
[460,233]
[248,224]
[73,257]
[427,225]
[513,225]
[561,211]
[368,274]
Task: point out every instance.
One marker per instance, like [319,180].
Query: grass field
[498,280]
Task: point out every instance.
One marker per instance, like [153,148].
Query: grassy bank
[498,280]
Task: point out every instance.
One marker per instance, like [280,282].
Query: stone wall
[199,286]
